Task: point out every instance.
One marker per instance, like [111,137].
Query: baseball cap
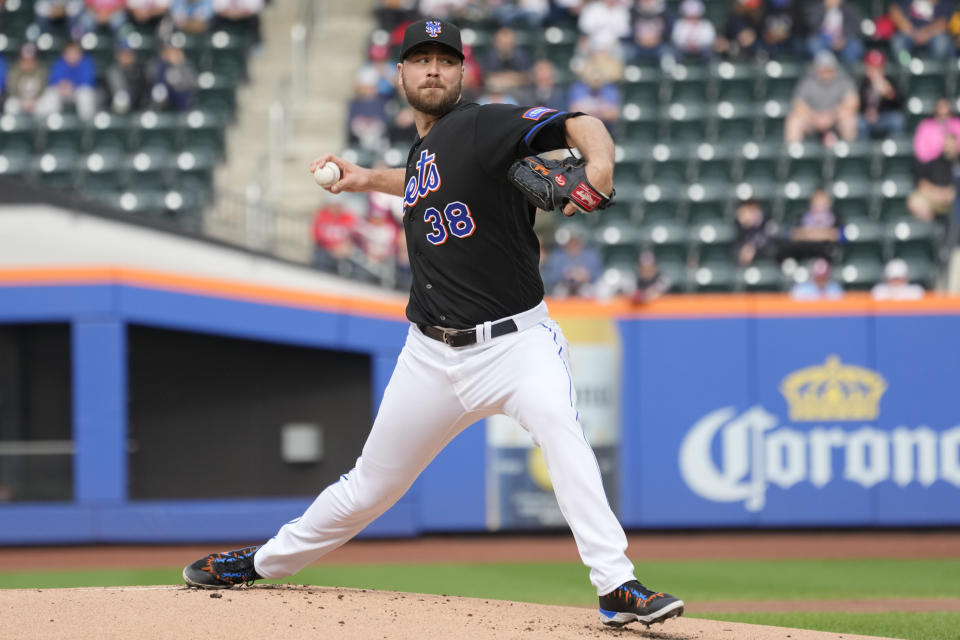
[895,269]
[825,60]
[431,30]
[874,58]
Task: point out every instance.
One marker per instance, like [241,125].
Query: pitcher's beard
[434,106]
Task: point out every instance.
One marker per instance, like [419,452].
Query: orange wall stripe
[670,306]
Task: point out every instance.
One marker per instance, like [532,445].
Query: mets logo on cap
[433,28]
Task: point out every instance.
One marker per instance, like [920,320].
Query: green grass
[695,581]
[913,626]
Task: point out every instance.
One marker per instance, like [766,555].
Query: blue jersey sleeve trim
[526,138]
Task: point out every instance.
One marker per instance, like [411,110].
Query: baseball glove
[550,184]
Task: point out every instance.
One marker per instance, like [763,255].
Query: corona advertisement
[788,422]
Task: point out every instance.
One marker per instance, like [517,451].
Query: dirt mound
[282,612]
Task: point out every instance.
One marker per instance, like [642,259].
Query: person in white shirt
[693,36]
[897,285]
[604,23]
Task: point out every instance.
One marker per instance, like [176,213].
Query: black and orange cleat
[222,570]
[633,602]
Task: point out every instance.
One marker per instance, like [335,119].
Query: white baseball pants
[434,393]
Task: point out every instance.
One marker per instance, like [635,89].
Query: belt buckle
[447,337]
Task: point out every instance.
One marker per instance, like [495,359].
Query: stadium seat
[15,164]
[203,133]
[929,79]
[669,170]
[762,275]
[110,132]
[716,276]
[102,172]
[805,165]
[226,56]
[707,203]
[759,167]
[779,80]
[862,267]
[688,124]
[216,94]
[56,170]
[61,133]
[16,134]
[690,85]
[192,175]
[155,131]
[737,83]
[736,122]
[149,170]
[643,87]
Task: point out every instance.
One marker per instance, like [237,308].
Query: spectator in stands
[506,65]
[173,79]
[70,84]
[449,10]
[146,15]
[529,14]
[931,132]
[757,236]
[921,26]
[394,13]
[386,70]
[784,31]
[573,270]
[100,14]
[400,126]
[545,91]
[52,13]
[825,99]
[936,191]
[565,13]
[495,94]
[880,100]
[126,81]
[652,26]
[377,238]
[25,82]
[741,32]
[818,230]
[835,26]
[604,24]
[693,37]
[651,283]
[596,92]
[334,226]
[191,16]
[819,286]
[367,113]
[241,16]
[896,284]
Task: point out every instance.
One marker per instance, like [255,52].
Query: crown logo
[833,391]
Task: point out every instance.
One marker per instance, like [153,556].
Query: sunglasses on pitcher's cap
[427,31]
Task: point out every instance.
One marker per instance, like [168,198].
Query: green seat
[737,82]
[706,202]
[639,125]
[57,170]
[689,85]
[110,132]
[863,234]
[759,166]
[102,172]
[216,94]
[805,164]
[15,164]
[157,131]
[762,275]
[193,175]
[928,79]
[644,87]
[137,200]
[779,80]
[718,169]
[668,174]
[17,134]
[62,133]
[862,267]
[688,124]
[149,170]
[194,47]
[204,133]
[227,56]
[718,276]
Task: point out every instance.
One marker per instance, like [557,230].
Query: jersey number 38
[455,217]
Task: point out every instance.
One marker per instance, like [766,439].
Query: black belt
[465,337]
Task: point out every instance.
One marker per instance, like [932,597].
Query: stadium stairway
[336,49]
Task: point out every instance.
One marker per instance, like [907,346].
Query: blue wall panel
[675,373]
[54,304]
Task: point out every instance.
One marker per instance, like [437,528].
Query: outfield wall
[731,411]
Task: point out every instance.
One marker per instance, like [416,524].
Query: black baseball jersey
[473,252]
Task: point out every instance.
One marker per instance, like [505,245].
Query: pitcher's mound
[282,612]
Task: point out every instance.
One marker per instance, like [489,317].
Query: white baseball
[327,174]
